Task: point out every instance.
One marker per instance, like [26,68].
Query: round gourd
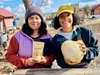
[70,50]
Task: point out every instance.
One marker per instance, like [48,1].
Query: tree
[27,3]
[42,2]
[87,9]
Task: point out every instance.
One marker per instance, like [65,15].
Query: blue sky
[17,6]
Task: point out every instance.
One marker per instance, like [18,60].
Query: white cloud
[5,1]
[91,3]
[47,5]
[8,8]
[49,2]
[19,10]
[46,2]
[44,9]
[47,8]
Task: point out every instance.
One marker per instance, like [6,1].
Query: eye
[68,15]
[61,16]
[37,18]
[31,18]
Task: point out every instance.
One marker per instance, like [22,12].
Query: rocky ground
[7,68]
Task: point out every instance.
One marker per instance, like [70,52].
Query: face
[34,22]
[66,20]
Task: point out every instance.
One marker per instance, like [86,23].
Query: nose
[66,18]
[34,19]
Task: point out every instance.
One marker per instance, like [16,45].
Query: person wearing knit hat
[33,10]
[31,46]
[67,23]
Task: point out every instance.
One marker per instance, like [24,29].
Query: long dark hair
[76,21]
[42,30]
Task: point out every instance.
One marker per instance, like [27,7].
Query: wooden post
[1,26]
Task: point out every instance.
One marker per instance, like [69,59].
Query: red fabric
[22,62]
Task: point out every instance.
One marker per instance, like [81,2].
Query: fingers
[31,62]
[82,47]
[42,61]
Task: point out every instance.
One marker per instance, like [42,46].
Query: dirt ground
[7,68]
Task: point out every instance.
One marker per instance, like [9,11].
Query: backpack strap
[79,37]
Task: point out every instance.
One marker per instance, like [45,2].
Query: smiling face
[34,22]
[66,20]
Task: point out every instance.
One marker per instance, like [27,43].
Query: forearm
[18,61]
[12,54]
[92,47]
[91,53]
[49,59]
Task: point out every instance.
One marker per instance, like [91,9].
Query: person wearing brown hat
[31,46]
[67,23]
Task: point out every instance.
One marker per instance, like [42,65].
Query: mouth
[65,22]
[34,25]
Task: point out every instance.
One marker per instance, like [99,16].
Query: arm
[92,47]
[12,54]
[49,59]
